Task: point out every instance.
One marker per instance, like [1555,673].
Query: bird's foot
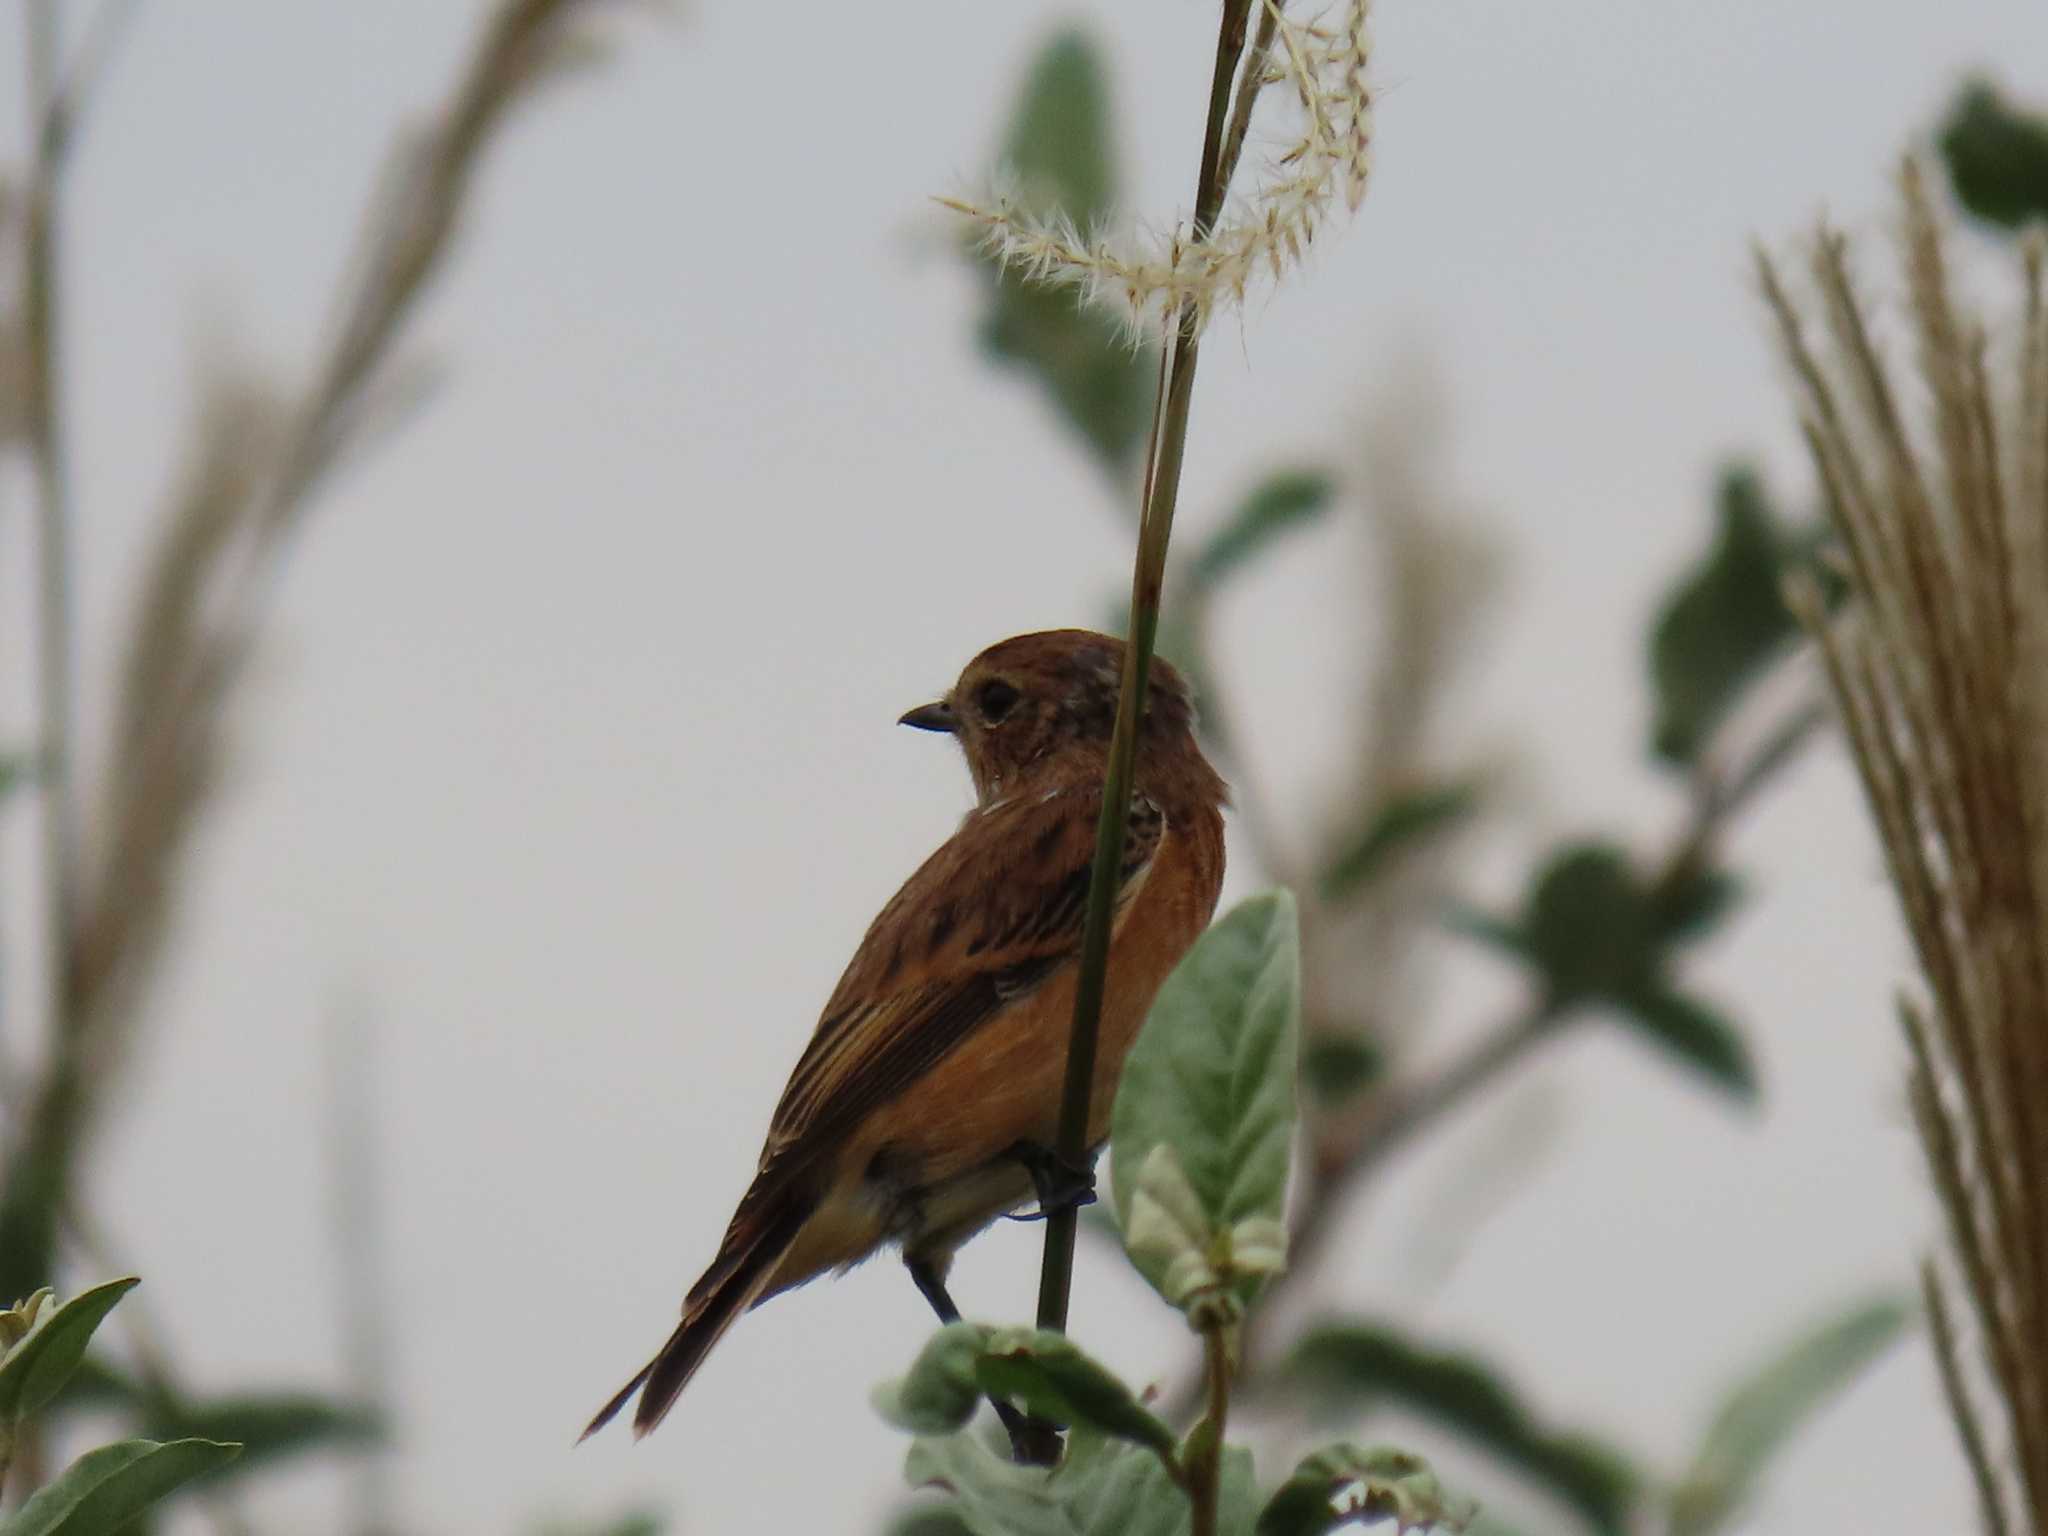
[1059,1184]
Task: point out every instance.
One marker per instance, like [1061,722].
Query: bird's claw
[1059,1184]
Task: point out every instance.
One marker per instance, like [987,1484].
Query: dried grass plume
[1147,279]
[1937,482]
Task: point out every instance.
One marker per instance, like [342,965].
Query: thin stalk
[1148,577]
[1205,1454]
[56,783]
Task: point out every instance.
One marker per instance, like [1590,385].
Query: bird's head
[1047,701]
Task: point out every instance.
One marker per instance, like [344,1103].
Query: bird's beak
[933,717]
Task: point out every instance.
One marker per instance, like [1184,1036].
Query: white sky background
[573,751]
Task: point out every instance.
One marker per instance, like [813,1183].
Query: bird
[926,1103]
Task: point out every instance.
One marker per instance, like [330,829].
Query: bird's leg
[1059,1184]
[1033,1442]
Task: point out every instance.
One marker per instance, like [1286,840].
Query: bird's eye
[995,699]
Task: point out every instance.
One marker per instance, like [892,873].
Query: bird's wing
[990,916]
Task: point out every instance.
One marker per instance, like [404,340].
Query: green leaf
[940,1392]
[1059,147]
[269,1426]
[34,1370]
[1997,157]
[1597,934]
[1050,1376]
[923,1519]
[639,1523]
[1722,624]
[1696,1036]
[1337,1066]
[1206,1108]
[1396,828]
[1353,1364]
[1102,1488]
[102,1491]
[15,769]
[1769,1406]
[1280,503]
[1344,1483]
[1588,927]
[1693,903]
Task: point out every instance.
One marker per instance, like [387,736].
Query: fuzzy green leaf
[104,1490]
[1696,1036]
[1588,926]
[269,1426]
[1770,1405]
[34,1370]
[1597,934]
[1059,148]
[926,1519]
[1209,1086]
[1397,828]
[1342,1484]
[1337,1066]
[1102,1488]
[1280,503]
[939,1393]
[1353,1364]
[1724,622]
[1997,157]
[1052,1378]
[639,1523]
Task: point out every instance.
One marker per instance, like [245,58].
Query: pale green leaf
[104,1490]
[32,1372]
[1212,1076]
[939,1393]
[1768,1406]
[1342,1484]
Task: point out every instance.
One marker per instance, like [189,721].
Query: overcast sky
[572,757]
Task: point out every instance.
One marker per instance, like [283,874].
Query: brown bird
[926,1102]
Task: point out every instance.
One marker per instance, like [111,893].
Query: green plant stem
[1162,491]
[1204,1460]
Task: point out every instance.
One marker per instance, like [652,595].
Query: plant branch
[1204,1458]
[1360,1146]
[1147,581]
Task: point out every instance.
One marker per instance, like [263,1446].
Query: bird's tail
[754,1245]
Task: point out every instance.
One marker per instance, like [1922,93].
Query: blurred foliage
[1059,150]
[1997,156]
[1355,1365]
[1764,1410]
[1725,621]
[1283,501]
[1397,827]
[270,1427]
[1334,1067]
[639,1523]
[1595,933]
